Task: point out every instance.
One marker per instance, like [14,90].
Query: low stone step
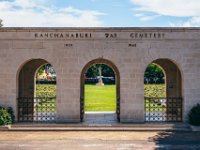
[100,127]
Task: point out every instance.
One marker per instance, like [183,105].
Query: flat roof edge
[4,29]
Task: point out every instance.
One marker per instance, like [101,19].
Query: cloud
[193,22]
[37,13]
[144,17]
[174,8]
[179,8]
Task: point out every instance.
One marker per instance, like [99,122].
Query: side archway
[36,98]
[82,87]
[165,103]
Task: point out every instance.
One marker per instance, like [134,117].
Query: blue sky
[100,13]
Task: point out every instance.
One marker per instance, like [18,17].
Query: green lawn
[100,98]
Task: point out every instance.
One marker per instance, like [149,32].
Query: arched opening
[106,73]
[37,92]
[163,91]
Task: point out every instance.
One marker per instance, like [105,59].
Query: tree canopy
[47,68]
[94,72]
[153,74]
[1,24]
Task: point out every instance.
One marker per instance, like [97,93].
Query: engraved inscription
[147,35]
[132,45]
[111,35]
[68,45]
[107,35]
[63,35]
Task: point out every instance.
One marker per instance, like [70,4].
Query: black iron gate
[36,109]
[118,109]
[163,109]
[82,109]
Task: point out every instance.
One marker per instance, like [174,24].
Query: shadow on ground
[176,140]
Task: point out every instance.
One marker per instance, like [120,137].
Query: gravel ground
[98,140]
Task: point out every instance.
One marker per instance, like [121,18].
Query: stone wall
[129,49]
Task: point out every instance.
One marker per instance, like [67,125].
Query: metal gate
[82,109]
[163,109]
[37,109]
[118,109]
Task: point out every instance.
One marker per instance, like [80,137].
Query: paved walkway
[100,118]
[99,140]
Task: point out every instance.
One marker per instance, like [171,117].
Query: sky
[100,13]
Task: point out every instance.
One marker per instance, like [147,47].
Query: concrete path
[100,118]
[99,140]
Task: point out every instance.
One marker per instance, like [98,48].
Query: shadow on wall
[176,140]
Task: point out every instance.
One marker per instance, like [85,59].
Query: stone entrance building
[128,51]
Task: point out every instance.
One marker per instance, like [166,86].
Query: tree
[153,74]
[1,25]
[106,71]
[41,70]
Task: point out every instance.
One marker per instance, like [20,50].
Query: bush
[6,116]
[194,115]
[11,112]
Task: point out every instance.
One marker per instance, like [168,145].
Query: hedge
[6,116]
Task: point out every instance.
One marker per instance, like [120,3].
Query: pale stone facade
[68,50]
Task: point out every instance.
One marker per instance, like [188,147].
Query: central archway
[82,88]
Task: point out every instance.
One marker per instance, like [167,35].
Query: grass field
[101,98]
